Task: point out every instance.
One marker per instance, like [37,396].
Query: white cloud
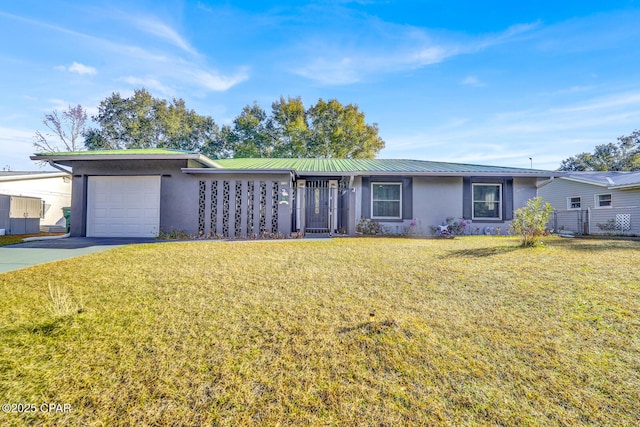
[212,80]
[153,26]
[472,81]
[81,69]
[203,6]
[388,48]
[76,67]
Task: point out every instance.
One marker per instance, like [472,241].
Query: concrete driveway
[22,255]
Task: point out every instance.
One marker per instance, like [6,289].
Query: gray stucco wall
[437,198]
[179,192]
[523,190]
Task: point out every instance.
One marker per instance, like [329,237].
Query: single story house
[594,202]
[52,188]
[145,192]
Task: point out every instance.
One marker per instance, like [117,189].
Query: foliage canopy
[621,156]
[327,129]
[142,121]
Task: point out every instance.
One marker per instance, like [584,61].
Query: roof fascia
[584,181]
[33,176]
[237,171]
[82,157]
[405,173]
[625,186]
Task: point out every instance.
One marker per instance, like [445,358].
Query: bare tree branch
[67,130]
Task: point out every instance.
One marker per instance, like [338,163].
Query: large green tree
[251,135]
[621,156]
[142,121]
[326,129]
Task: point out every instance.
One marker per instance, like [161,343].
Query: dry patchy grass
[470,331]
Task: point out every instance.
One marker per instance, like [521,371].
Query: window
[573,203]
[603,200]
[386,200]
[487,201]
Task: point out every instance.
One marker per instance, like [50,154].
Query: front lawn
[468,331]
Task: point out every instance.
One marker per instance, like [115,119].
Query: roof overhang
[634,186]
[201,171]
[610,185]
[365,173]
[584,181]
[68,159]
[32,176]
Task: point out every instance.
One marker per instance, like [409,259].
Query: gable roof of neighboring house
[199,163]
[610,180]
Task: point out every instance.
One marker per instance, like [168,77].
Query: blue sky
[487,82]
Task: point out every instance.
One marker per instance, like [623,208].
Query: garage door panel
[135,213]
[150,213]
[123,206]
[101,212]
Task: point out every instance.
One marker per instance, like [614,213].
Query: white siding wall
[55,191]
[623,202]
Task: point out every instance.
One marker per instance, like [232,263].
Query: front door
[317,207]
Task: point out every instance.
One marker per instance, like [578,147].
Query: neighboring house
[53,188]
[595,202]
[144,192]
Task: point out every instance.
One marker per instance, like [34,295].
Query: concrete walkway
[23,255]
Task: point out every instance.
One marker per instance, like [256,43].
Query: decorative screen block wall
[238,208]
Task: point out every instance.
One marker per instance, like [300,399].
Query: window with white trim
[386,200]
[574,202]
[487,201]
[603,201]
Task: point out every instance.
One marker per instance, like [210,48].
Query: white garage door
[123,206]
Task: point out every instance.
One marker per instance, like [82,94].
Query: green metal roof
[325,167]
[368,165]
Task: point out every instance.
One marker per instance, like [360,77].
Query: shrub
[369,227]
[530,221]
[454,227]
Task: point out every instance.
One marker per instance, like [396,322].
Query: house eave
[634,186]
[584,181]
[207,171]
[26,177]
[67,160]
[432,173]
[365,173]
